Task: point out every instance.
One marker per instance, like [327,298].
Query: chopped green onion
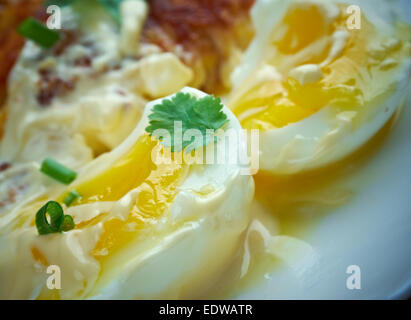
[71,197]
[57,171]
[68,223]
[56,214]
[113,8]
[39,33]
[58,221]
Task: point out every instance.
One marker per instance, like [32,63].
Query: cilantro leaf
[201,114]
[113,8]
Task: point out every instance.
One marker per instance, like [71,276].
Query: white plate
[372,232]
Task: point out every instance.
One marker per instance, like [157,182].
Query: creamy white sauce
[210,213]
[108,95]
[201,224]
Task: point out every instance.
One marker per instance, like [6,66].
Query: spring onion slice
[58,221]
[68,223]
[57,171]
[39,33]
[71,197]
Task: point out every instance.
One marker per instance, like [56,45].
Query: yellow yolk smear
[349,81]
[156,184]
[295,204]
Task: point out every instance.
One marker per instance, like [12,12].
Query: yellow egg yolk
[301,27]
[156,184]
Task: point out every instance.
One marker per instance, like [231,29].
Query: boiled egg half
[317,83]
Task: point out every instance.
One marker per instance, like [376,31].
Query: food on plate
[317,88]
[125,160]
[142,229]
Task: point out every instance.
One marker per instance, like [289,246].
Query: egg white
[326,137]
[107,97]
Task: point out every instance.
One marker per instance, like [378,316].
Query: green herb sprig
[201,114]
[38,32]
[113,8]
[71,197]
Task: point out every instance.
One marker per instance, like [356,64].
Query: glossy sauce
[295,205]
